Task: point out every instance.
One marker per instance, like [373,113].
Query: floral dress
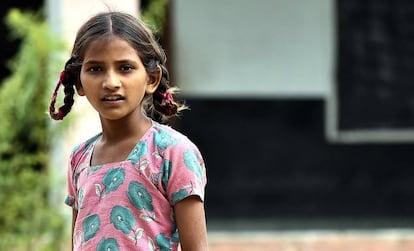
[128,205]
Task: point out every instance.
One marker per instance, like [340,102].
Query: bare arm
[191,223]
[74,215]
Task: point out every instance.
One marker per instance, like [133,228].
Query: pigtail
[163,101]
[68,80]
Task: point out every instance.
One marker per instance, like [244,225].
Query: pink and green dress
[128,205]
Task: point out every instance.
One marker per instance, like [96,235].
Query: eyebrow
[122,61]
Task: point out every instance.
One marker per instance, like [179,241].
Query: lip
[113,98]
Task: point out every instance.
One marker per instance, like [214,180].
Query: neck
[124,129]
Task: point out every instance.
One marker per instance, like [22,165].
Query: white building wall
[277,48]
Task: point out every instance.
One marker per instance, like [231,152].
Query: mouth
[112,98]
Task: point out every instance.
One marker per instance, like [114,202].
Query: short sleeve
[184,172]
[71,183]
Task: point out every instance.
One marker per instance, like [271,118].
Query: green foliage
[27,220]
[155,15]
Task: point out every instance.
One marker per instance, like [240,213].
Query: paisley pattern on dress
[90,226]
[139,196]
[122,219]
[113,179]
[109,244]
[191,161]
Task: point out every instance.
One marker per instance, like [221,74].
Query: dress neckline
[99,136]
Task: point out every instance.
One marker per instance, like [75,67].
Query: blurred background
[303,110]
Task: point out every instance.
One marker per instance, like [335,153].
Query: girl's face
[114,80]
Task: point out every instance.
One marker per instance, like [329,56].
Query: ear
[153,80]
[79,88]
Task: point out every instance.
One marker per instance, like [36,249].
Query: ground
[349,240]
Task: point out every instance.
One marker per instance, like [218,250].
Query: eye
[94,69]
[127,68]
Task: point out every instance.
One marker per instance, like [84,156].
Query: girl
[138,183]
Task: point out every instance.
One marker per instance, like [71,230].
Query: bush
[28,221]
[155,16]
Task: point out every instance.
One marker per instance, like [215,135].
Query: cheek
[85,75]
[81,78]
[87,81]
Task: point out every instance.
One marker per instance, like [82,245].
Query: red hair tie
[168,96]
[56,115]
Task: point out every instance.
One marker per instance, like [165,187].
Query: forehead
[109,45]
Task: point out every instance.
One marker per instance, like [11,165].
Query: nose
[111,81]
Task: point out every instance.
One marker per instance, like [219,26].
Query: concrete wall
[276,48]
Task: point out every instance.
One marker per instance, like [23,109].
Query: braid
[68,79]
[163,102]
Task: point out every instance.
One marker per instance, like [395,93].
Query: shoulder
[166,137]
[79,152]
[178,148]
[182,170]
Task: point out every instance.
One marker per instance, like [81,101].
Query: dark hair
[161,104]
